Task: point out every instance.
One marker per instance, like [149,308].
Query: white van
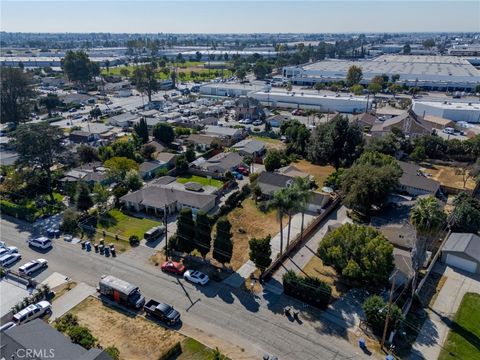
[40,243]
[449,130]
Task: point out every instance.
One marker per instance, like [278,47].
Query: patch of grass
[194,350]
[117,222]
[201,180]
[463,341]
[316,269]
[320,173]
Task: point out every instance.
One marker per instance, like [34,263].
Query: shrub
[375,310]
[113,352]
[18,211]
[82,336]
[134,240]
[66,322]
[310,290]
[173,352]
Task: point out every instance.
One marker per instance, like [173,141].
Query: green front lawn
[200,180]
[194,350]
[463,341]
[123,225]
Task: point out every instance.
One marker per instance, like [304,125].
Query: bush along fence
[307,289]
[298,240]
[40,294]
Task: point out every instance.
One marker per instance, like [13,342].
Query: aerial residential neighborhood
[234,180]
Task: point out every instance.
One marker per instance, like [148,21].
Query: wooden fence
[299,240]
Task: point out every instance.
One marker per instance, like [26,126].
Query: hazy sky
[239,16]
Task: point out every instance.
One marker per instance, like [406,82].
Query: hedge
[173,352]
[307,289]
[19,211]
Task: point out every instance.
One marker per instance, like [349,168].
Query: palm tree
[427,217]
[280,202]
[304,193]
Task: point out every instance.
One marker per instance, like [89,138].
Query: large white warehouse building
[455,111]
[428,72]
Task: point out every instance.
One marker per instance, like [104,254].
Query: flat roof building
[428,72]
[455,111]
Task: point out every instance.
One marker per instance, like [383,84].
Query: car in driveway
[173,267]
[30,267]
[257,122]
[32,312]
[9,259]
[40,243]
[237,175]
[196,277]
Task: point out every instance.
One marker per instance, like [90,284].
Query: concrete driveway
[435,329]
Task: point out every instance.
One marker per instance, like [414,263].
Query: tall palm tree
[281,203]
[304,193]
[427,217]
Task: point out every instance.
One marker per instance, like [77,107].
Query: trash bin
[83,245]
[95,246]
[107,251]
[362,343]
[101,247]
[88,246]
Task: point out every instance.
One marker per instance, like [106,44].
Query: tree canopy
[375,309]
[185,231]
[354,75]
[223,245]
[78,67]
[144,80]
[119,166]
[260,252]
[164,133]
[141,130]
[273,160]
[359,253]
[15,94]
[203,233]
[466,214]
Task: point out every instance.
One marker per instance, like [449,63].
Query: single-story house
[277,120]
[156,198]
[293,171]
[250,147]
[271,182]
[222,163]
[78,99]
[167,159]
[91,173]
[119,89]
[228,135]
[124,120]
[414,182]
[364,120]
[149,169]
[201,142]
[404,266]
[82,137]
[462,250]
[38,340]
[209,120]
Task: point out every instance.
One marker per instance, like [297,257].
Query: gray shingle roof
[270,182]
[413,177]
[250,146]
[468,244]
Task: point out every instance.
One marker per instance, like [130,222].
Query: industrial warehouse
[427,72]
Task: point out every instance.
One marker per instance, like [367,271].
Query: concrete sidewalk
[435,329]
[238,278]
[69,300]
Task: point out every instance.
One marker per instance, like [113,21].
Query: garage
[462,251]
[461,263]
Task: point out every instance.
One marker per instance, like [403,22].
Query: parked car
[32,312]
[243,170]
[9,259]
[162,312]
[154,233]
[7,326]
[257,122]
[41,243]
[8,250]
[30,267]
[237,175]
[173,267]
[196,277]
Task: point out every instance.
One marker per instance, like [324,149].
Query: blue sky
[239,16]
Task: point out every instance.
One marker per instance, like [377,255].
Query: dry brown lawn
[320,173]
[447,176]
[252,223]
[135,337]
[270,143]
[316,268]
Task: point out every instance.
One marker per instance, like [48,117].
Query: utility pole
[166,231]
[389,309]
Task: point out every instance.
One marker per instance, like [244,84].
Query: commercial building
[427,72]
[455,111]
[229,89]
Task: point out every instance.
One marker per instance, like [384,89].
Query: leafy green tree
[144,80]
[357,89]
[319,86]
[260,252]
[337,143]
[261,69]
[105,153]
[407,49]
[132,180]
[428,43]
[100,194]
[87,153]
[185,231]
[15,94]
[40,146]
[222,244]
[296,135]
[119,166]
[466,214]
[181,164]
[354,75]
[82,336]
[141,129]
[273,159]
[95,113]
[359,253]
[69,221]
[375,310]
[78,67]
[83,199]
[164,133]
[203,233]
[369,181]
[374,88]
[124,149]
[190,154]
[147,151]
[51,101]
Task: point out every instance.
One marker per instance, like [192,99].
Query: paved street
[245,325]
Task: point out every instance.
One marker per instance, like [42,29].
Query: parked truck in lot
[121,291]
[162,312]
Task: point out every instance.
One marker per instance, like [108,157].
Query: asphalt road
[243,325]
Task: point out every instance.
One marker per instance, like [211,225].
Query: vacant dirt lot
[270,143]
[320,173]
[112,327]
[248,222]
[315,268]
[447,176]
